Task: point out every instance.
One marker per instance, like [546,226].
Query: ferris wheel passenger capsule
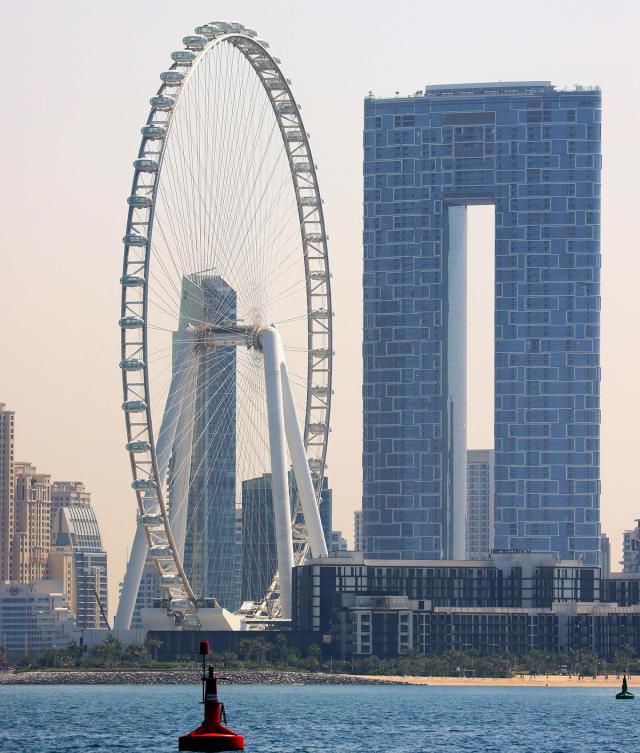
[169,579]
[151,520]
[131,364]
[286,108]
[132,239]
[206,31]
[194,41]
[262,43]
[162,101]
[153,131]
[302,167]
[138,446]
[314,237]
[146,165]
[179,604]
[172,78]
[132,281]
[160,552]
[220,25]
[134,406]
[183,56]
[275,84]
[139,202]
[131,322]
[295,136]
[143,483]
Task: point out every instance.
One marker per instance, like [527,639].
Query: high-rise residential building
[533,153]
[76,531]
[631,550]
[358,541]
[338,542]
[7,489]
[210,544]
[32,535]
[479,504]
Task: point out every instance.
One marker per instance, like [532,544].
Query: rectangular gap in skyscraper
[480,325]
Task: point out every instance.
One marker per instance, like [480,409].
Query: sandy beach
[551,681]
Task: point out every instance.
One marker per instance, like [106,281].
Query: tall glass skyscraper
[210,544]
[532,152]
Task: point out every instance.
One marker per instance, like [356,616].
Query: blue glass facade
[210,551]
[534,153]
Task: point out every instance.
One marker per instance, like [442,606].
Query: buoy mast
[211,735]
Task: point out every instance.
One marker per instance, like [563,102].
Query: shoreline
[278,677]
[188,677]
[526,681]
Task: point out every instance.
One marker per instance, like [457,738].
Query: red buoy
[211,735]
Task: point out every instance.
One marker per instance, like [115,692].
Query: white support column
[172,410]
[269,340]
[301,467]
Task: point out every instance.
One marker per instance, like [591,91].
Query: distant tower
[66,494]
[76,530]
[210,544]
[631,550]
[338,542]
[479,503]
[7,490]
[259,556]
[32,536]
[605,559]
[148,591]
[358,543]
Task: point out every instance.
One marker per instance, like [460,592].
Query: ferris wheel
[226,333]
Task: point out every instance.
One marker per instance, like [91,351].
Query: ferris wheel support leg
[183,367]
[301,468]
[179,492]
[175,401]
[270,342]
[135,566]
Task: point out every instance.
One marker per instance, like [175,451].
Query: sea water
[314,719]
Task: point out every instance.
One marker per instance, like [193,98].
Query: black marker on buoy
[211,735]
[624,694]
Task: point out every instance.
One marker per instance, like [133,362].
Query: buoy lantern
[624,693]
[211,735]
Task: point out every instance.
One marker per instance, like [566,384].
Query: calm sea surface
[311,719]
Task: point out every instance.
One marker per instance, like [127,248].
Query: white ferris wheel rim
[137,258]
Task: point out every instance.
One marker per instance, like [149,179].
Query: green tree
[277,653]
[152,645]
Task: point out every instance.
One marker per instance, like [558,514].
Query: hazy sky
[76,85]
